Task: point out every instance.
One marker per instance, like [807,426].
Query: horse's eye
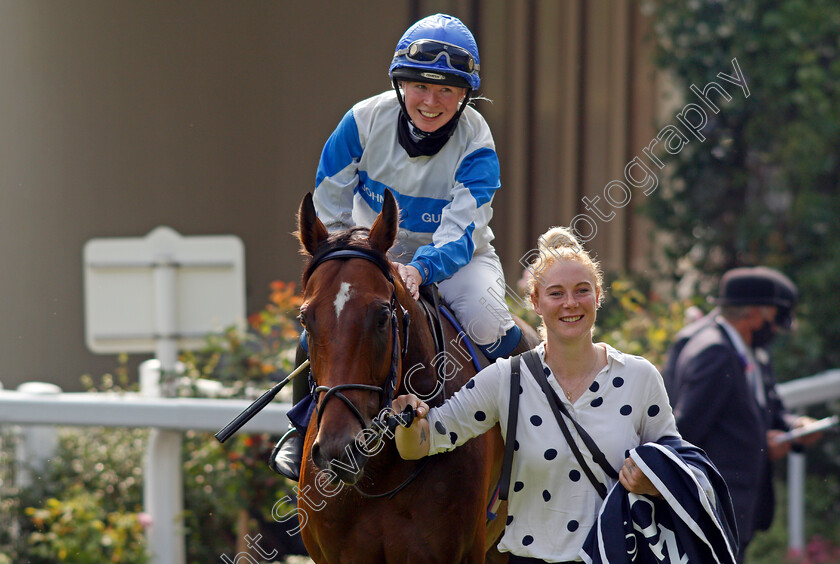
[384,317]
[302,319]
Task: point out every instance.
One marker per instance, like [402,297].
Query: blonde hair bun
[557,238]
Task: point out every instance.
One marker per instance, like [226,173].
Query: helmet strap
[423,143]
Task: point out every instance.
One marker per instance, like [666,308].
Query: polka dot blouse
[552,505]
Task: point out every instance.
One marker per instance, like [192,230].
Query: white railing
[38,407]
[134,410]
[802,392]
[169,417]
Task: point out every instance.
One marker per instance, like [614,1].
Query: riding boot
[287,455]
[511,343]
[523,345]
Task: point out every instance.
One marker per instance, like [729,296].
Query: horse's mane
[355,238]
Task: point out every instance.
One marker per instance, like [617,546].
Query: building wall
[209,117]
[573,104]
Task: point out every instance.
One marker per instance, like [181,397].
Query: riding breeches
[476,293]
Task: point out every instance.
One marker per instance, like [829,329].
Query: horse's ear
[384,230]
[311,230]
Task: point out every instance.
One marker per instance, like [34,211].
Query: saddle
[433,306]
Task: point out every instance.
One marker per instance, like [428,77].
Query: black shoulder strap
[510,436]
[559,410]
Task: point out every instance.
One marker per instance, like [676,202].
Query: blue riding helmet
[437,49]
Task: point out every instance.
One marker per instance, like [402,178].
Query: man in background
[723,391]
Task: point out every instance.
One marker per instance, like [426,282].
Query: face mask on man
[764,335]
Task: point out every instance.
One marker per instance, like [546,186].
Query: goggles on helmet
[429,51]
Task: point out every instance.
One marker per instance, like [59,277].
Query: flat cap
[759,285]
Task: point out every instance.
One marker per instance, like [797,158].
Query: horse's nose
[318,456]
[342,459]
[328,452]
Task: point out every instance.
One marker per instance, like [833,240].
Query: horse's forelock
[353,238]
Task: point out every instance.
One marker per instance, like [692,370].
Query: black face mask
[428,144]
[763,335]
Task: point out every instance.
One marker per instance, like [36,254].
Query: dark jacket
[678,344]
[716,409]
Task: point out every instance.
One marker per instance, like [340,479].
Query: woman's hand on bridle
[411,278]
[421,409]
[412,442]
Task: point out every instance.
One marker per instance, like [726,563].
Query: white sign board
[162,287]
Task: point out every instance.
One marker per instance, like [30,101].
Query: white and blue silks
[445,203]
[445,199]
[692,523]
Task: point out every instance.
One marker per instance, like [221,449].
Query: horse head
[356,332]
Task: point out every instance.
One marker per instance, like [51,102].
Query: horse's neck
[421,340]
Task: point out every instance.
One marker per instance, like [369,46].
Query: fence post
[796,501]
[37,443]
[163,491]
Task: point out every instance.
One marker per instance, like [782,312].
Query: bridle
[389,387]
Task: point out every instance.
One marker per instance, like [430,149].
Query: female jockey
[434,152]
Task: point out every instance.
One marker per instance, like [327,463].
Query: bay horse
[367,338]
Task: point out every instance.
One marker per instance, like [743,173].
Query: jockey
[435,153]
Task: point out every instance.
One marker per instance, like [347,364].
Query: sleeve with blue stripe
[337,176]
[476,180]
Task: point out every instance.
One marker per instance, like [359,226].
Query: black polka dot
[625,410]
[550,454]
[527,539]
[480,416]
[627,453]
[440,428]
[470,384]
[509,520]
[547,371]
[536,420]
[573,526]
[596,402]
[521,389]
[515,445]
[517,486]
[618,381]
[453,437]
[594,387]
[574,475]
[653,411]
[546,495]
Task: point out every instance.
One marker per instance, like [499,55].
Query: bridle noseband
[388,388]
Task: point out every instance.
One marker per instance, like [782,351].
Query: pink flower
[818,551]
[145,520]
